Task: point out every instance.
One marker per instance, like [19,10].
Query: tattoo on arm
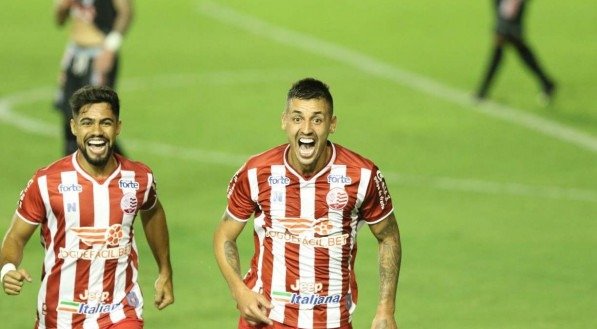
[232,257]
[389,260]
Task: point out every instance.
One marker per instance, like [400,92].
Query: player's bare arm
[390,253]
[62,11]
[156,231]
[112,42]
[251,305]
[11,255]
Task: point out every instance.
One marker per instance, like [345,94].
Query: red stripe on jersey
[97,248]
[313,233]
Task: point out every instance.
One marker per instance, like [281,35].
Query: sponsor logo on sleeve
[382,189]
[22,195]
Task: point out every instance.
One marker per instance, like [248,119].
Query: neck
[97,172]
[315,167]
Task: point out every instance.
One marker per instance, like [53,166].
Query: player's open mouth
[306,147]
[97,145]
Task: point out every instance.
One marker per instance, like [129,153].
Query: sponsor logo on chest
[70,188]
[88,309]
[274,180]
[128,184]
[339,179]
[99,239]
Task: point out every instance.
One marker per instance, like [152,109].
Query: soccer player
[509,30]
[91,56]
[85,205]
[308,198]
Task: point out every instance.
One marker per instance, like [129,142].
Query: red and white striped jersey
[90,269]
[305,232]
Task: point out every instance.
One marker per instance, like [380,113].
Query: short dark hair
[311,88]
[93,95]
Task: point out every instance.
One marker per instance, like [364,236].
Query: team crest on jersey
[128,203]
[337,198]
[92,235]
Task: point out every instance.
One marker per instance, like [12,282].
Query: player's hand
[102,65]
[164,292]
[384,321]
[65,4]
[253,307]
[13,281]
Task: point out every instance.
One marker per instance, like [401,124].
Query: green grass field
[497,203]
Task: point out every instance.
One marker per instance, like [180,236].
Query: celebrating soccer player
[85,205]
[308,198]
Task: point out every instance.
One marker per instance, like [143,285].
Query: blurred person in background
[85,205]
[509,30]
[308,197]
[92,54]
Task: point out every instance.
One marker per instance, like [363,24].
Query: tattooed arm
[252,306]
[390,252]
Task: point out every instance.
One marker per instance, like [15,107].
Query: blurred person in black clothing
[91,55]
[509,30]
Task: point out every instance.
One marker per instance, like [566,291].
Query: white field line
[390,72]
[38,127]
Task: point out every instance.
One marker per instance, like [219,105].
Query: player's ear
[118,126]
[283,125]
[333,125]
[73,127]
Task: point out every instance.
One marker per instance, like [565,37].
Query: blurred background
[497,201]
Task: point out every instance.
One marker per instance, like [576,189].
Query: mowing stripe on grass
[390,72]
[38,127]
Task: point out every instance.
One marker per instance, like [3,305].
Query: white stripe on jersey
[278,210]
[118,294]
[50,256]
[361,192]
[149,185]
[307,252]
[101,219]
[254,190]
[136,289]
[68,272]
[335,261]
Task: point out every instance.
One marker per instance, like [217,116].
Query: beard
[98,161]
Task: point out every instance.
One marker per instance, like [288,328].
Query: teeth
[306,140]
[96,142]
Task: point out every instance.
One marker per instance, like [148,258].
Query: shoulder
[131,165]
[270,157]
[348,157]
[56,167]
